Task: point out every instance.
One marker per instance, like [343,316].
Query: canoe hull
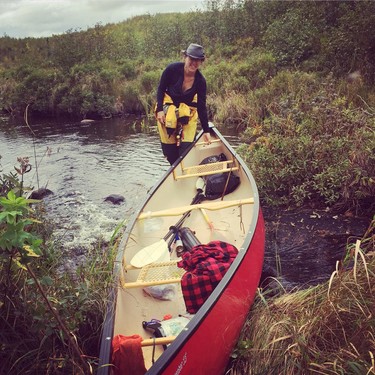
[207,351]
[205,345]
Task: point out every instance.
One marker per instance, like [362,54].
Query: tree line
[82,72]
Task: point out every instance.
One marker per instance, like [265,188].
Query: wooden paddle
[158,251]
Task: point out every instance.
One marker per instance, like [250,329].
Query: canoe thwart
[176,211]
[200,143]
[156,274]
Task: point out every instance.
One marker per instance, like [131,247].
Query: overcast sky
[40,18]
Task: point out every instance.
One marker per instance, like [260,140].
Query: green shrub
[311,144]
[127,69]
[36,89]
[292,39]
[132,103]
[217,77]
[104,104]
[108,75]
[8,87]
[149,81]
[231,110]
[84,99]
[254,72]
[50,320]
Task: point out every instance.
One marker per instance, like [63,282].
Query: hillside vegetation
[295,78]
[248,43]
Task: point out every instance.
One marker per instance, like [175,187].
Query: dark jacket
[171,83]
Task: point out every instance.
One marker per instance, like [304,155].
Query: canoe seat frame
[155,274]
[206,169]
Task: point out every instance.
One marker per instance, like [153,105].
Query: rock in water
[40,193]
[114,198]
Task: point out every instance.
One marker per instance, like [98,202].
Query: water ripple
[82,165]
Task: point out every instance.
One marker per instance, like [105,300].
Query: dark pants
[172,152]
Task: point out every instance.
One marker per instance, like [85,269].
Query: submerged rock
[114,198]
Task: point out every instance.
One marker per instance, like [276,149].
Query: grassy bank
[325,329]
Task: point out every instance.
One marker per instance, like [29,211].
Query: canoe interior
[230,224]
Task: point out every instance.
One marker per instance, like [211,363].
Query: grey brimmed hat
[194,51]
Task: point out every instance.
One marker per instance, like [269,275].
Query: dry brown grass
[326,329]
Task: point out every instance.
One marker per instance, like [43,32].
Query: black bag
[213,159]
[216,183]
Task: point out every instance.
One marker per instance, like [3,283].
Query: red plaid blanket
[205,266]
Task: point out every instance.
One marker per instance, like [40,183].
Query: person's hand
[207,137]
[160,116]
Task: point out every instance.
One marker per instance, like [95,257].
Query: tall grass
[326,329]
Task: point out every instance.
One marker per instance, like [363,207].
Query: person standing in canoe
[181,100]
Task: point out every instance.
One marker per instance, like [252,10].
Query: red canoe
[182,313]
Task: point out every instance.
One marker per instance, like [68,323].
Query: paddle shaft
[197,199]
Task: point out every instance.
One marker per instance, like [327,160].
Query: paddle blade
[157,252]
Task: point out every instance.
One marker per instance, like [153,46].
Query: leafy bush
[217,76]
[149,82]
[132,103]
[292,38]
[231,110]
[311,145]
[36,89]
[104,105]
[127,69]
[347,44]
[253,72]
[108,75]
[8,87]
[46,315]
